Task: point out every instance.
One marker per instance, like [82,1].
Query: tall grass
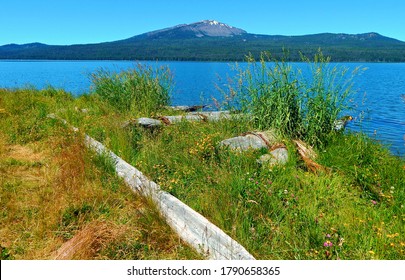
[142,89]
[277,95]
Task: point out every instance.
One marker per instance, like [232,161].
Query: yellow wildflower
[392,235]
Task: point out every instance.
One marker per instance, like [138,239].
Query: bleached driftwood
[191,226]
[193,108]
[193,116]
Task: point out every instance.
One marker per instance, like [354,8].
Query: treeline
[378,49]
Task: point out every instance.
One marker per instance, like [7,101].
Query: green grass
[286,212]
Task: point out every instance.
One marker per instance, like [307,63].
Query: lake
[380,88]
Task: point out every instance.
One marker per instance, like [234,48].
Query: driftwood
[194,116]
[187,108]
[308,155]
[191,226]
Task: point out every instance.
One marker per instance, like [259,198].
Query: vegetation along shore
[345,201]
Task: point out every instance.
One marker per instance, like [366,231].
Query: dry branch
[308,155]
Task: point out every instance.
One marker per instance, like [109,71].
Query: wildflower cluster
[203,148]
[288,198]
[256,186]
[160,173]
[331,240]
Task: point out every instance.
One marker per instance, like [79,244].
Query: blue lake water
[380,88]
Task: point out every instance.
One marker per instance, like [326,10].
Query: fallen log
[193,108]
[191,226]
[193,116]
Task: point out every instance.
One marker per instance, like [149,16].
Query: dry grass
[60,201]
[87,243]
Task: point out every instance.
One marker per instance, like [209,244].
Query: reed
[277,95]
[137,90]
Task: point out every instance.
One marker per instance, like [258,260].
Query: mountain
[215,41]
[205,28]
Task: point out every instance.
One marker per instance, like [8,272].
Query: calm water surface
[380,88]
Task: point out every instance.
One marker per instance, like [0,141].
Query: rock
[275,157]
[251,140]
[244,143]
[84,110]
[340,124]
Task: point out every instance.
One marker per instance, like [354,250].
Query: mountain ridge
[213,40]
[210,28]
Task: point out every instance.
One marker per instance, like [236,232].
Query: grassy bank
[53,190]
[352,211]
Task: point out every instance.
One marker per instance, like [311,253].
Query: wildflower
[341,241]
[374,202]
[285,191]
[328,244]
[392,235]
[371,252]
[327,236]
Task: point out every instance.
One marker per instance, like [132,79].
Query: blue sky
[65,22]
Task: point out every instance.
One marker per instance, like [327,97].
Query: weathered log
[193,108]
[194,116]
[191,226]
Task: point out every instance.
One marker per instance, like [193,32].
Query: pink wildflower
[328,244]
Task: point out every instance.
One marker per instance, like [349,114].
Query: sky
[66,22]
